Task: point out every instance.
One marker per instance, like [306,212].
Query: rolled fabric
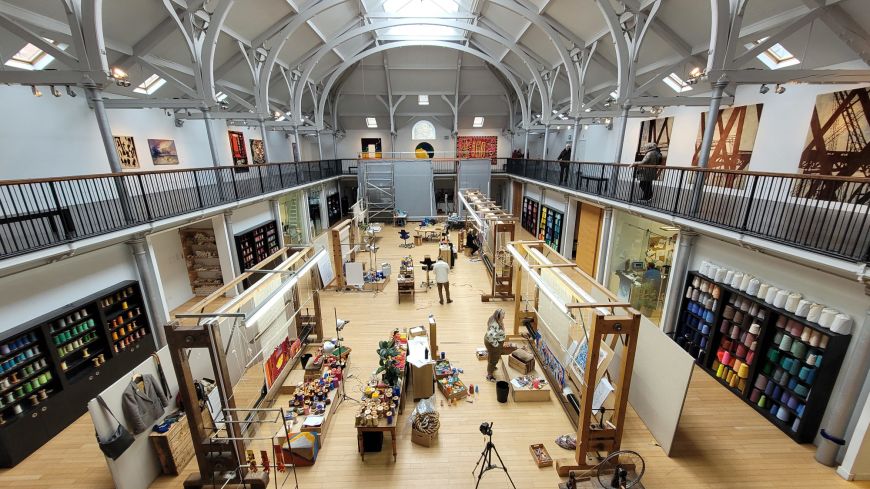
[720,275]
[737,279]
[842,324]
[762,291]
[752,288]
[792,302]
[755,329]
[785,344]
[743,372]
[781,298]
[815,338]
[827,317]
[799,349]
[806,335]
[771,295]
[755,396]
[760,382]
[803,308]
[815,313]
[802,390]
[729,276]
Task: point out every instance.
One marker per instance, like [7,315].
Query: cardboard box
[423,439]
[422,381]
[531,395]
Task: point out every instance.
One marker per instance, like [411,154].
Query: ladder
[293,220]
[379,190]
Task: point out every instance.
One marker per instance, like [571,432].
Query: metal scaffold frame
[379,191]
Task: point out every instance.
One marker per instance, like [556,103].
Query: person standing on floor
[652,157]
[494,340]
[442,279]
[563,158]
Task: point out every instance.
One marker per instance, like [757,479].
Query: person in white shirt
[442,271]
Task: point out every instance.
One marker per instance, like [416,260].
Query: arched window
[423,130]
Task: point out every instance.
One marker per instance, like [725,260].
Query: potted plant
[387,352]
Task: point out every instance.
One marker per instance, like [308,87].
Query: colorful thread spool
[781,298]
[772,292]
[792,302]
[842,324]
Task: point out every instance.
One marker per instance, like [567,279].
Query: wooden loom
[337,255]
[609,322]
[214,456]
[497,228]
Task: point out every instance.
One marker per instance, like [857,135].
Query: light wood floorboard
[721,443]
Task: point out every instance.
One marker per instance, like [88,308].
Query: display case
[255,245]
[52,366]
[203,262]
[333,208]
[781,364]
[530,215]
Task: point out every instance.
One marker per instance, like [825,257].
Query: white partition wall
[414,188]
[475,174]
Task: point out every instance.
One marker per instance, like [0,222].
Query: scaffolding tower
[379,190]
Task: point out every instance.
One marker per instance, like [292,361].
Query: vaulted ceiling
[468,53]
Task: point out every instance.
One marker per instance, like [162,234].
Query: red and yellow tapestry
[477,146]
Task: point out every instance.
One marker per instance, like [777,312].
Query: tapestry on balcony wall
[126,149]
[655,131]
[837,145]
[258,152]
[477,147]
[237,149]
[163,151]
[733,140]
[371,148]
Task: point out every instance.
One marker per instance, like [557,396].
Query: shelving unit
[52,366]
[255,245]
[789,367]
[530,215]
[405,279]
[201,257]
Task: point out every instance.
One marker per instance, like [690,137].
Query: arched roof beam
[363,30]
[403,44]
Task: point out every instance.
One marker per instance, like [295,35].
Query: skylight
[416,8]
[676,83]
[32,58]
[150,85]
[478,122]
[371,123]
[776,56]
[422,100]
[220,96]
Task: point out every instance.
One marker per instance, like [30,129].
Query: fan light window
[371,123]
[423,130]
[478,122]
[150,85]
[676,83]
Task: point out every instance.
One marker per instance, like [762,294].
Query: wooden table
[383,426]
[432,231]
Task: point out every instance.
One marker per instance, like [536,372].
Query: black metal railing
[822,214]
[440,166]
[37,214]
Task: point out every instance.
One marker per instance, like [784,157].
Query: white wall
[171,268]
[30,294]
[350,146]
[254,215]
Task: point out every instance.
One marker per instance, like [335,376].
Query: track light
[70,91]
[36,91]
[54,91]
[779,89]
[764,89]
[642,110]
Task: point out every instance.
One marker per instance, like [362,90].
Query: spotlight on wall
[55,91]
[122,79]
[764,89]
[70,91]
[642,110]
[36,91]
[779,89]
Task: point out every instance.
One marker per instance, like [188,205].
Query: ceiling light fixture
[54,91]
[70,91]
[422,100]
[764,89]
[371,123]
[36,91]
[478,122]
[779,89]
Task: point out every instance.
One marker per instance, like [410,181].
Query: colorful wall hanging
[163,151]
[258,152]
[371,148]
[127,152]
[733,141]
[237,148]
[424,150]
[477,146]
[655,131]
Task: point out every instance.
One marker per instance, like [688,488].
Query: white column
[546,136]
[276,214]
[267,153]
[236,267]
[568,231]
[604,248]
[676,280]
[147,268]
[620,133]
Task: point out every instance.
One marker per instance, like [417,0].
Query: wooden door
[517,199]
[588,238]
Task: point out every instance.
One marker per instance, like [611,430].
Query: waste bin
[501,390]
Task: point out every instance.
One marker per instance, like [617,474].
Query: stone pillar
[147,268]
[228,223]
[604,248]
[676,281]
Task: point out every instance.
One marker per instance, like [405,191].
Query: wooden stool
[418,240]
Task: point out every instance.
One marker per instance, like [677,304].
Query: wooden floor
[722,443]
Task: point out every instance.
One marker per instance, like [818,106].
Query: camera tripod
[486,458]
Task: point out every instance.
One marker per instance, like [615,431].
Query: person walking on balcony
[563,158]
[651,157]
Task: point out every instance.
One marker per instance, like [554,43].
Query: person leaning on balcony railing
[652,156]
[563,158]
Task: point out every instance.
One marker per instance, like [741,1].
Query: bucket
[501,390]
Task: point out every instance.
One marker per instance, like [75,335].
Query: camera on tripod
[486,428]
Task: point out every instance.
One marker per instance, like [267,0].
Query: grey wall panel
[414,188]
[475,174]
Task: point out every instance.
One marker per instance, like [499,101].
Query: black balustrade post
[235,184]
[260,176]
[749,202]
[679,192]
[198,189]
[144,198]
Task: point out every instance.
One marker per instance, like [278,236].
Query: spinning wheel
[620,470]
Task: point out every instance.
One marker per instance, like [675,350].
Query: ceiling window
[776,56]
[423,130]
[422,100]
[478,122]
[676,83]
[371,123]
[220,96]
[150,85]
[416,8]
[32,58]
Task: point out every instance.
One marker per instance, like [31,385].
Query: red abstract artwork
[477,146]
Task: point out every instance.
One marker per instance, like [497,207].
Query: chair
[404,235]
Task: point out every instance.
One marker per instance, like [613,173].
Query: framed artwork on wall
[126,148]
[477,147]
[655,131]
[424,150]
[733,141]
[237,149]
[163,151]
[258,152]
[550,227]
[530,215]
[371,148]
[837,145]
